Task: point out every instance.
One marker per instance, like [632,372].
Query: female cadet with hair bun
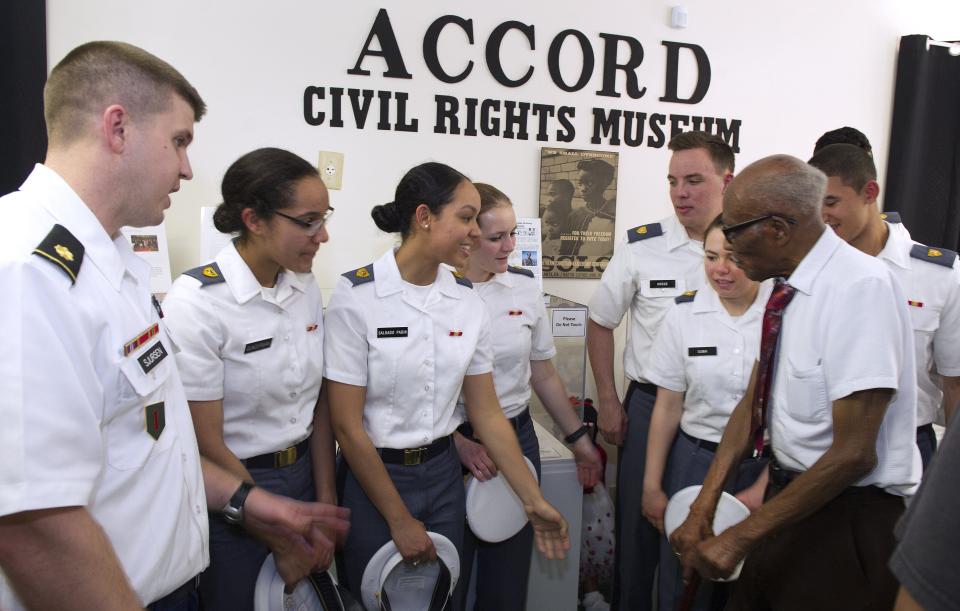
[404,337]
[250,331]
[523,349]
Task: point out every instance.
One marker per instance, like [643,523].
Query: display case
[568,321]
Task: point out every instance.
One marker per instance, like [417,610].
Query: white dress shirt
[521,333]
[645,276]
[847,329]
[933,294]
[708,355]
[260,350]
[85,422]
[410,355]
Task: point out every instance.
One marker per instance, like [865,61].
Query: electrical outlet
[331,169]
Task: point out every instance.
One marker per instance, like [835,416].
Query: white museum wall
[788,71]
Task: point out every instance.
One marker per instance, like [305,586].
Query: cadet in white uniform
[929,277]
[701,363]
[102,505]
[250,331]
[522,349]
[404,336]
[655,264]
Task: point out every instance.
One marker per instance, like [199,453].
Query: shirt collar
[66,207]
[708,300]
[506,279]
[897,248]
[388,281]
[677,236]
[814,261]
[244,285]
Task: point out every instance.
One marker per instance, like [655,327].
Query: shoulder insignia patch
[206,274]
[519,270]
[359,276]
[686,297]
[461,279]
[890,217]
[643,232]
[940,256]
[62,249]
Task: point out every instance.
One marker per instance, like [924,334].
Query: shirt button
[428,362]
[426,387]
[293,420]
[197,508]
[736,351]
[293,395]
[286,338]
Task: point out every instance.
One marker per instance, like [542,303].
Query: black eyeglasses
[730,231]
[311,227]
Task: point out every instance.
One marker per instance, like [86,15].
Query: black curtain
[923,172]
[23,71]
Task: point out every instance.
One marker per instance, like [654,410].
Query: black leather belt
[700,443]
[645,387]
[414,456]
[276,460]
[517,422]
[182,592]
[712,446]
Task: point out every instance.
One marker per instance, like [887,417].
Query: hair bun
[387,217]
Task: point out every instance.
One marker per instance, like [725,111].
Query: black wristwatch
[577,434]
[233,510]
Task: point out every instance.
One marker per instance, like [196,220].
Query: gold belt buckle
[414,456]
[286,457]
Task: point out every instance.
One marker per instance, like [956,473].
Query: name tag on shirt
[152,357]
[702,351]
[392,331]
[263,344]
[663,284]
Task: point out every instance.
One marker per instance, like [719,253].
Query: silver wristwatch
[233,510]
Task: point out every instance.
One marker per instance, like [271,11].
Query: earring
[426,226]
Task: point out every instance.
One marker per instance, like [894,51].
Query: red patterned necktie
[772,320]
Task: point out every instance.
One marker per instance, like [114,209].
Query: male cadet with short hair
[929,277]
[834,393]
[102,504]
[656,263]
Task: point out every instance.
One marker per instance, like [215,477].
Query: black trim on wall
[923,171]
[23,72]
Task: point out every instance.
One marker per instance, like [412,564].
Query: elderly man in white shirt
[840,403]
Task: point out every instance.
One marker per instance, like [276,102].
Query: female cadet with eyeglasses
[523,349]
[404,337]
[249,328]
[701,363]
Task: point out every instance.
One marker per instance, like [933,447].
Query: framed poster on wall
[578,211]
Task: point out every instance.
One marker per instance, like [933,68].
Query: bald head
[771,214]
[779,184]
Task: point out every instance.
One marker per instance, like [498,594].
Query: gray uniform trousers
[688,466]
[433,493]
[229,583]
[637,540]
[503,569]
